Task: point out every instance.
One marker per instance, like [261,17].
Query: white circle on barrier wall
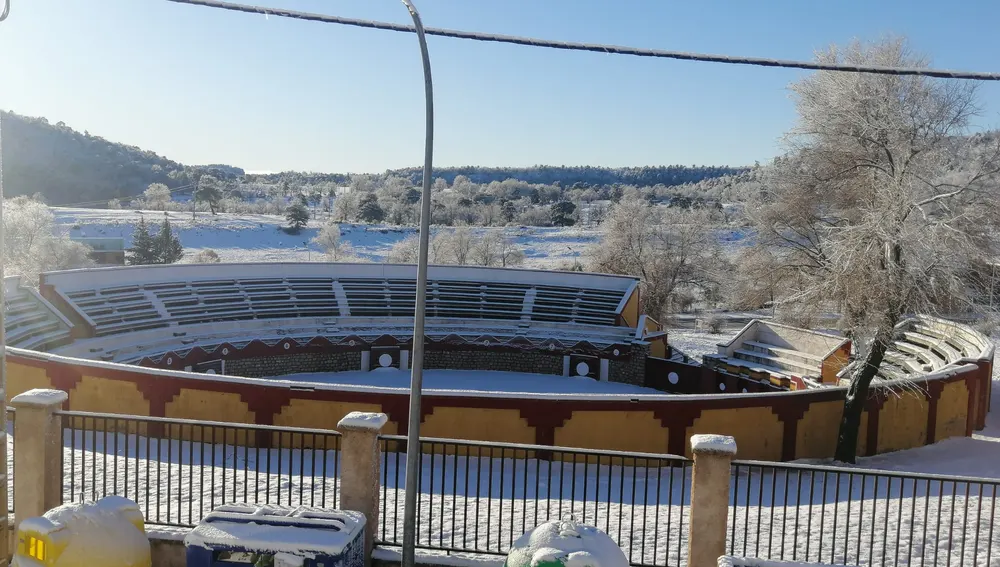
[210,371]
[170,361]
[673,378]
[385,360]
[287,346]
[722,387]
[351,342]
[225,351]
[616,352]
[582,369]
[486,343]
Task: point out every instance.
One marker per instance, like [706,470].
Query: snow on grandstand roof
[88,278]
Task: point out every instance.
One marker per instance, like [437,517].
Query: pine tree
[297,215]
[143,250]
[208,192]
[168,247]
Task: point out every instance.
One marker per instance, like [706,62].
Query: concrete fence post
[713,455]
[360,466]
[37,452]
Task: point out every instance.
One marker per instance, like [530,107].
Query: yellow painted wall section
[834,364]
[203,405]
[658,348]
[21,378]
[619,431]
[862,434]
[952,411]
[902,423]
[317,414]
[105,395]
[631,310]
[816,434]
[209,406]
[757,431]
[478,424]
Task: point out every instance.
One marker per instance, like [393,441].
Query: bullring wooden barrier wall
[767,426]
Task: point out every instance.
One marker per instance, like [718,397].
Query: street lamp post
[417,363]
[4,522]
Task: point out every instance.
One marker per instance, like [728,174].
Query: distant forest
[568,177]
[67,167]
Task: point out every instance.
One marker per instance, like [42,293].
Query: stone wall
[631,370]
[506,361]
[295,363]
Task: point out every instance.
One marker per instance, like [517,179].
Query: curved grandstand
[220,341]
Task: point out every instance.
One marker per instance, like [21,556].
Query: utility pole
[417,366]
[4,518]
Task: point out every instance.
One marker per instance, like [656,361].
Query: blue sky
[205,86]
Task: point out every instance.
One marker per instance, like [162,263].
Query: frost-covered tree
[207,256]
[883,206]
[31,245]
[330,242]
[672,252]
[157,195]
[405,251]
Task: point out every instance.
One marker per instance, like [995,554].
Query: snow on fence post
[360,466]
[37,452]
[713,455]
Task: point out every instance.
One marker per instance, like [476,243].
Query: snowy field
[438,381]
[258,238]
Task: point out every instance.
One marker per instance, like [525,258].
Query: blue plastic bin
[247,535]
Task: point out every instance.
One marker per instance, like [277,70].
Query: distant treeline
[67,167]
[565,176]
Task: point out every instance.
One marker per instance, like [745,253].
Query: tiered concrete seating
[30,321]
[460,300]
[927,344]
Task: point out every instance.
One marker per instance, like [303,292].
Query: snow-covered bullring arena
[522,356]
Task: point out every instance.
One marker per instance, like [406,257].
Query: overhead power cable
[598,48]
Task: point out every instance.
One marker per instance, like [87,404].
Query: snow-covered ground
[258,238]
[472,380]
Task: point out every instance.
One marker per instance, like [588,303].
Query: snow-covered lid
[717,444]
[304,530]
[363,420]
[39,397]
[568,543]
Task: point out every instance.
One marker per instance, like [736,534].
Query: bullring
[212,342]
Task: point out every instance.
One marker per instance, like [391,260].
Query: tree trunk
[857,395]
